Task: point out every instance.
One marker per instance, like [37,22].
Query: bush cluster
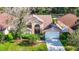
[9,37]
[27,39]
[63,38]
[1,36]
[30,36]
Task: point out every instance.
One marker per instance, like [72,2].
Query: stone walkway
[54,45]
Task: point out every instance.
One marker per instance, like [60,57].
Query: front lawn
[21,42]
[8,46]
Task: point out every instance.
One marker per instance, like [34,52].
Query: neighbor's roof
[4,17]
[68,19]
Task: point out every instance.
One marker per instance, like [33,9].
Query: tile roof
[68,19]
[3,18]
[46,19]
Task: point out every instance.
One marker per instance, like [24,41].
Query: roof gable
[38,18]
[45,19]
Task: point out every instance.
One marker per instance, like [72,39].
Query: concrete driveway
[52,40]
[54,45]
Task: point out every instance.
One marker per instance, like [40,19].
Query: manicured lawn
[15,47]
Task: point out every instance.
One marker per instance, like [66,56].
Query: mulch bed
[18,41]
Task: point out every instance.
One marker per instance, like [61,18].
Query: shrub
[70,48]
[9,37]
[31,37]
[73,39]
[13,34]
[70,41]
[42,36]
[64,36]
[40,47]
[1,35]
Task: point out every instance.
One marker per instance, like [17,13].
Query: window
[29,26]
[37,29]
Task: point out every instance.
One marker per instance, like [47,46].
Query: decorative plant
[9,37]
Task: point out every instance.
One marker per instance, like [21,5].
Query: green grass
[70,48]
[14,47]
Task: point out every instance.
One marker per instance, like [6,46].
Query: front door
[37,29]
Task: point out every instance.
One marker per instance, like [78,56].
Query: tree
[73,39]
[19,24]
[16,11]
[54,10]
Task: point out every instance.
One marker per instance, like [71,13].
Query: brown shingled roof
[68,19]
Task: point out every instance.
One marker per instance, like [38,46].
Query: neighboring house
[66,22]
[4,19]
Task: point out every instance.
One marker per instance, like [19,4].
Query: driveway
[52,40]
[54,45]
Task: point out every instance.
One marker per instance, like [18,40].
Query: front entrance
[37,29]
